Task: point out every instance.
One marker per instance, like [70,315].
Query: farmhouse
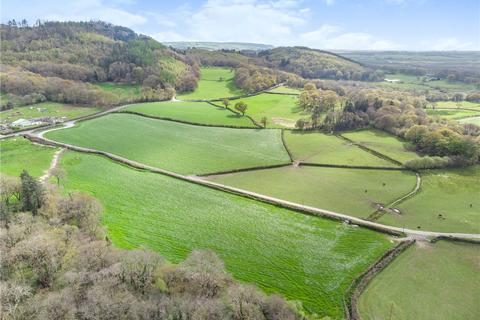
[25,122]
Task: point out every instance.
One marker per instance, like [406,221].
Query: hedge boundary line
[461,108]
[455,239]
[181,121]
[286,147]
[374,152]
[283,93]
[325,165]
[301,164]
[358,285]
[218,173]
[237,113]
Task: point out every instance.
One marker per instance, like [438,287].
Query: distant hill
[305,62]
[312,63]
[183,45]
[461,65]
[90,51]
[59,61]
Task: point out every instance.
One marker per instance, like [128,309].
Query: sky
[324,24]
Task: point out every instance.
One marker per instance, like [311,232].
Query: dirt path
[260,197]
[380,212]
[53,165]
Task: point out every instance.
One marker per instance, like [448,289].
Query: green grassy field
[46,109]
[124,92]
[445,192]
[214,83]
[461,104]
[280,110]
[177,147]
[284,89]
[17,154]
[328,149]
[196,112]
[382,142]
[414,82]
[452,114]
[473,120]
[305,258]
[429,281]
[340,190]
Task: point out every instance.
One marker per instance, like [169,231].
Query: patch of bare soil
[288,123]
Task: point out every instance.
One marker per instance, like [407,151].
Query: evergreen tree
[32,193]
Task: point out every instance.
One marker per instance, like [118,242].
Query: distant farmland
[214,83]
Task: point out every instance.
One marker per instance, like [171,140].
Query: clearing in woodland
[214,83]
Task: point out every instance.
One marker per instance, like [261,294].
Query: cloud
[450,44]
[332,37]
[84,10]
[277,23]
[329,2]
[246,20]
[168,36]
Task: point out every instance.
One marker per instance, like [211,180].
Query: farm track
[379,213]
[38,137]
[53,165]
